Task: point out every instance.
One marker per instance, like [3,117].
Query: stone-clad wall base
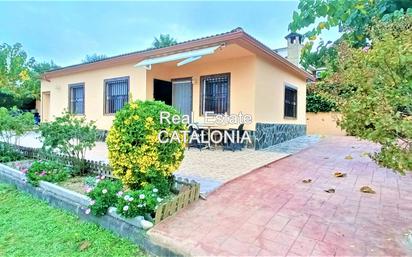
[271,134]
[76,203]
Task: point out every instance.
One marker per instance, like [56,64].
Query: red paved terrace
[272,212]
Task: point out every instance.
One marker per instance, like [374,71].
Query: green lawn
[29,227]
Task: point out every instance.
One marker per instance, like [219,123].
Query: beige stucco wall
[270,93]
[94,88]
[242,82]
[256,86]
[323,123]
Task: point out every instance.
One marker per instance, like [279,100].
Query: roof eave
[134,57]
[137,56]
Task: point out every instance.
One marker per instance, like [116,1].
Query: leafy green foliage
[373,88]
[323,54]
[319,103]
[353,17]
[136,155]
[94,58]
[50,171]
[104,195]
[163,40]
[9,154]
[71,136]
[13,124]
[19,75]
[138,203]
[29,226]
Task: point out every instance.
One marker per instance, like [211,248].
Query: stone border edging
[76,203]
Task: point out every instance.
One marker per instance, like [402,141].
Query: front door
[45,106]
[182,95]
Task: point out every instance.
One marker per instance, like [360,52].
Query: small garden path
[272,212]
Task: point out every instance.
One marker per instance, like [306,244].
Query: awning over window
[186,57]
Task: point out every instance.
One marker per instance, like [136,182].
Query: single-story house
[226,73]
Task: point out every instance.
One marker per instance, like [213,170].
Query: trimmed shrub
[136,155]
[317,103]
[71,136]
[104,195]
[138,203]
[13,124]
[50,171]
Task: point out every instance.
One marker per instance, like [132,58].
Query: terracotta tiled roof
[237,33]
[148,49]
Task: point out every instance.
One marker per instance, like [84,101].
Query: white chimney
[294,47]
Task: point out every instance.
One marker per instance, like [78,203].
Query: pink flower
[366,48]
[119,194]
[104,191]
[43,173]
[24,171]
[103,177]
[87,189]
[87,211]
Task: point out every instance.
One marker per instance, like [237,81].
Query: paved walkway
[271,212]
[211,168]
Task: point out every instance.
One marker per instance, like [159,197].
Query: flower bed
[139,181]
[77,204]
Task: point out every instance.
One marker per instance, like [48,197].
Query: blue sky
[66,31]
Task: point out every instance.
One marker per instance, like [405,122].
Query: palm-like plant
[163,40]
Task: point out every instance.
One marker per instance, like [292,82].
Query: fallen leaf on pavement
[365,154]
[367,190]
[340,174]
[348,157]
[307,181]
[330,191]
[84,245]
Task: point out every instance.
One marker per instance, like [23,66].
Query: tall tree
[373,88]
[163,40]
[19,76]
[354,19]
[94,58]
[14,69]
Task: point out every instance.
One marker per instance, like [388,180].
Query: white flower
[131,199]
[141,196]
[104,191]
[87,211]
[119,194]
[125,208]
[159,199]
[126,198]
[139,206]
[155,190]
[103,177]
[92,202]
